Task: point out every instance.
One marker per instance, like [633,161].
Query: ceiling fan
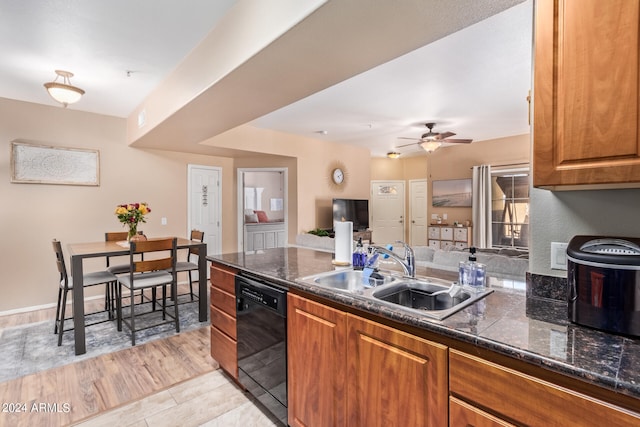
[431,140]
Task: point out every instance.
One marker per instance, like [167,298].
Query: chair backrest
[154,245]
[115,236]
[62,267]
[195,235]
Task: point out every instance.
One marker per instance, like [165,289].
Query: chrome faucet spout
[408,263]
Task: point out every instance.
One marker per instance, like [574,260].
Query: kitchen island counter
[532,330]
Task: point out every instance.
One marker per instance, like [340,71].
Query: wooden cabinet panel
[394,378]
[586,123]
[463,414]
[225,351]
[316,364]
[224,348]
[224,322]
[224,278]
[224,301]
[528,400]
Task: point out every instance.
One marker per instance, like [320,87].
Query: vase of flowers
[130,215]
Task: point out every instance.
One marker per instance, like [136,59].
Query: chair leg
[164,302]
[190,285]
[55,327]
[62,314]
[119,305]
[174,286]
[133,325]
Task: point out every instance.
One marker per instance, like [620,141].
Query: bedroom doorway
[262,208]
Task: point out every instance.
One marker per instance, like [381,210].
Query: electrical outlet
[163,220]
[558,256]
[434,216]
[444,216]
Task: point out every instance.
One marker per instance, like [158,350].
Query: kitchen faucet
[408,263]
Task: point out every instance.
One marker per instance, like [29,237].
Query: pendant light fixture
[63,92]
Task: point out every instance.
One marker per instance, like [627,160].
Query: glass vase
[133,232]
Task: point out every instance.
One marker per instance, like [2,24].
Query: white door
[205,205]
[387,211]
[418,212]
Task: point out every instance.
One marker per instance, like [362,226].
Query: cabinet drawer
[444,244]
[224,301]
[526,399]
[463,414]
[225,351]
[446,233]
[435,244]
[224,322]
[460,234]
[434,232]
[223,278]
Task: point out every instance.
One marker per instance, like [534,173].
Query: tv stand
[365,234]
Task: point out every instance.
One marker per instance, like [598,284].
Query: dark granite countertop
[532,329]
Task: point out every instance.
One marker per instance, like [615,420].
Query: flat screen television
[356,211]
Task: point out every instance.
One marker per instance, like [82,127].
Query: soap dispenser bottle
[466,269]
[359,256]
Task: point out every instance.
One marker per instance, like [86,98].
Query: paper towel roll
[344,242]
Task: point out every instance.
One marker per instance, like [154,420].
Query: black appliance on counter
[604,283]
[261,310]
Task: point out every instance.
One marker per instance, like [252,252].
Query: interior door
[387,211]
[418,212]
[204,205]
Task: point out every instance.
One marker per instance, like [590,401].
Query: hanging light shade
[430,146]
[63,91]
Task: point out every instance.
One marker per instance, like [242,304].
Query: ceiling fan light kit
[64,92]
[431,140]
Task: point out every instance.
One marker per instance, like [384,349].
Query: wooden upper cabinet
[586,123]
[394,378]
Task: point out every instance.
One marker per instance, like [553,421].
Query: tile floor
[210,400]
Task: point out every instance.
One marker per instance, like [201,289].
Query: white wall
[558,216]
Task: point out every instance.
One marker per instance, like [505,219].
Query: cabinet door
[394,379]
[316,364]
[460,234]
[586,78]
[463,414]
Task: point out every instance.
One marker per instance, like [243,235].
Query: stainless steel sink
[417,294]
[349,280]
[397,291]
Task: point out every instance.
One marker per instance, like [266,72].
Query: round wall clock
[338,175]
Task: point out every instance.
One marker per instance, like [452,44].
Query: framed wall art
[451,193]
[43,164]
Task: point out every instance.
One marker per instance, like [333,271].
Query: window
[510,209]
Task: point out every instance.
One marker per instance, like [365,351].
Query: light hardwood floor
[167,382]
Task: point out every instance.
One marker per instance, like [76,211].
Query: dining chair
[159,271]
[189,265]
[117,236]
[66,284]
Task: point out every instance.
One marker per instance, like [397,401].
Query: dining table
[78,252]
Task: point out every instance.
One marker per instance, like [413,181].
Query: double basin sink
[427,296]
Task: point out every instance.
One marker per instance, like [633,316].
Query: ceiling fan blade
[412,139]
[444,135]
[406,145]
[458,141]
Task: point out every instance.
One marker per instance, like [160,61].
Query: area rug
[34,347]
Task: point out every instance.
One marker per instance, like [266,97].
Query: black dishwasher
[262,342]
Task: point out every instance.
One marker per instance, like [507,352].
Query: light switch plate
[558,256]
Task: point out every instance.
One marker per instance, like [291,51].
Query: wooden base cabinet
[394,378]
[346,370]
[316,364]
[488,394]
[224,346]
